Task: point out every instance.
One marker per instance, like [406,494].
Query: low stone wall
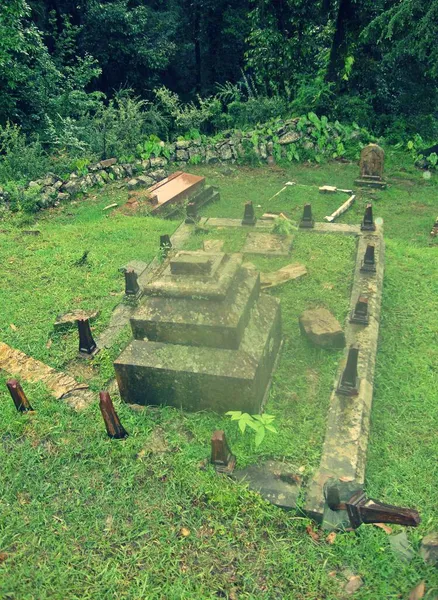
[262,145]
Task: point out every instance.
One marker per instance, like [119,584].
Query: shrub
[20,159]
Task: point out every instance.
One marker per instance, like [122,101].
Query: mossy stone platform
[205,337]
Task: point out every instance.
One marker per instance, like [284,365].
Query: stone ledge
[345,445]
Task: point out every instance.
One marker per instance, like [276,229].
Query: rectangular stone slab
[267,244]
[199,378]
[195,264]
[346,440]
[179,286]
[197,322]
[176,189]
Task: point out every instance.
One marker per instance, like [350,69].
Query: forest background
[82,80]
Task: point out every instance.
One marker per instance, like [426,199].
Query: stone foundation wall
[261,145]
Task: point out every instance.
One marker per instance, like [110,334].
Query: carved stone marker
[307,221]
[205,337]
[359,314]
[114,428]
[131,283]
[322,328]
[368,221]
[192,213]
[372,160]
[369,263]
[87,345]
[361,509]
[249,217]
[221,456]
[21,402]
[349,381]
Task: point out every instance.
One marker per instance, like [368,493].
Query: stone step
[197,322]
[200,378]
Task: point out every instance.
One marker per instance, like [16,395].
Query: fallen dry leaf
[312,533]
[184,531]
[49,343]
[353,584]
[418,591]
[385,528]
[3,557]
[13,327]
[330,539]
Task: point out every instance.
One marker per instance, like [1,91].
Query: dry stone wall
[234,145]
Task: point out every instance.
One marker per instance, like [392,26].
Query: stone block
[215,286]
[109,162]
[198,322]
[322,328]
[200,378]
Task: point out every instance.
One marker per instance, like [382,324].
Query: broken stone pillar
[205,337]
[87,345]
[372,160]
[307,221]
[192,213]
[369,263]
[222,458]
[349,382]
[131,283]
[21,402]
[249,217]
[360,312]
[368,221]
[114,428]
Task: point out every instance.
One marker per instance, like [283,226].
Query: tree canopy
[371,61]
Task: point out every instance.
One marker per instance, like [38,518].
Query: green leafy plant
[80,165]
[283,226]
[196,159]
[260,424]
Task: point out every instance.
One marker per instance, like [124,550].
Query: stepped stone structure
[204,337]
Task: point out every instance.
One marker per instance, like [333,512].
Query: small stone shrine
[372,159]
[204,337]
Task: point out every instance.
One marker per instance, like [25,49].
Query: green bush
[20,159]
[256,110]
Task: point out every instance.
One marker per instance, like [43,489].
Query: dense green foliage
[97,78]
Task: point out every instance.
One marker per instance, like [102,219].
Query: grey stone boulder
[289,138]
[158,175]
[182,144]
[72,187]
[322,328]
[225,152]
[182,154]
[429,549]
[145,181]
[109,162]
[159,161]
[133,184]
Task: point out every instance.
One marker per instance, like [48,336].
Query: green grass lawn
[82,516]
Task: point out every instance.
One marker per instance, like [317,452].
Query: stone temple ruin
[204,336]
